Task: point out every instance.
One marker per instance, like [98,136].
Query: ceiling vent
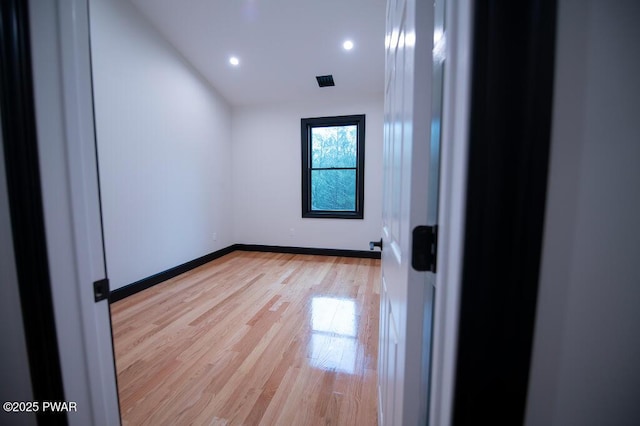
[325,80]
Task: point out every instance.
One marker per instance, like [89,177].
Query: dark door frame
[510,130]
[20,146]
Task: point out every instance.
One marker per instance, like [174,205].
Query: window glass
[333,167]
[334,146]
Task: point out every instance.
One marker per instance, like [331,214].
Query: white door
[410,174]
[68,167]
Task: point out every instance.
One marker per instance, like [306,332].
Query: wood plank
[252,338]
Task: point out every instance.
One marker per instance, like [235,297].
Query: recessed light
[234,61]
[347,45]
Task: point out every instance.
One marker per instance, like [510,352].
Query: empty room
[350,212]
[243,288]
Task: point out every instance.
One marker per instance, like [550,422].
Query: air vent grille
[325,80]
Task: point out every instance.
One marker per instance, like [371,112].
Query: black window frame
[306,125]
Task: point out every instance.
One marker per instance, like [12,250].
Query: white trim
[66,143]
[452,207]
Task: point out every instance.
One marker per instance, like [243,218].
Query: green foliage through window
[333,166]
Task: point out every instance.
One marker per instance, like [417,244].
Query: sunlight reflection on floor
[334,327]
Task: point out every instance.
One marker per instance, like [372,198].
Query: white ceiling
[282,45]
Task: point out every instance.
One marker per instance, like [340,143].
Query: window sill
[332,215]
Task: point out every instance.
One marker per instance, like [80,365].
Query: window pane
[334,146]
[333,190]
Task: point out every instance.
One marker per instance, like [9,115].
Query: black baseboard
[145,283]
[365,254]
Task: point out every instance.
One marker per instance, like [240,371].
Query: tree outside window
[333,167]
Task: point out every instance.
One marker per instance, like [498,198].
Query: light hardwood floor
[252,338]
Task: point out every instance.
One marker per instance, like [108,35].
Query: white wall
[164,145]
[267,182]
[586,355]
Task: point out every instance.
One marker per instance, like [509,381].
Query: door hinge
[101,289]
[424,251]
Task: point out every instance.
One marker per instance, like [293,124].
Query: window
[333,167]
